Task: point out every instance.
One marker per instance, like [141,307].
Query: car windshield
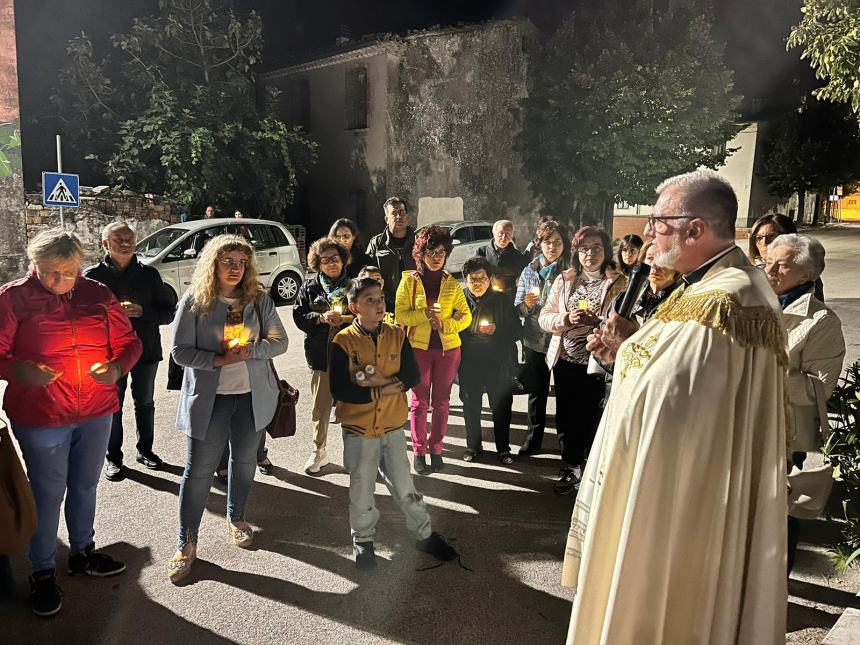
[151,246]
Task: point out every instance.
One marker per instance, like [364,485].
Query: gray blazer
[196,341]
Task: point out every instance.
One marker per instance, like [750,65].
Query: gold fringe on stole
[749,326]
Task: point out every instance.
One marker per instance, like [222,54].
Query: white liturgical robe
[678,535]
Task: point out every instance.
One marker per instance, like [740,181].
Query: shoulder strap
[260,319]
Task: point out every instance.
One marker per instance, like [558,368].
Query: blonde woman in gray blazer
[229,393]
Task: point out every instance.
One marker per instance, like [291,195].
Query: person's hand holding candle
[106,373]
[486,327]
[131,309]
[532,297]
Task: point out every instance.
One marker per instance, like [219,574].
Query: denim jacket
[197,340]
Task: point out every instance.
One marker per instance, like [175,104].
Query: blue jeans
[232,420]
[63,461]
[142,392]
[363,458]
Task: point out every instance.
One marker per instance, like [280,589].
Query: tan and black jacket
[361,409]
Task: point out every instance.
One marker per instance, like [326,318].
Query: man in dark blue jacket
[148,304]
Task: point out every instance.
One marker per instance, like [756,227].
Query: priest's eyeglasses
[658,224]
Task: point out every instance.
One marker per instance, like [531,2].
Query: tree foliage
[183,117]
[829,34]
[812,150]
[623,98]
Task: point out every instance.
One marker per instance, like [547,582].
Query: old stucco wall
[452,104]
[144,213]
[12,234]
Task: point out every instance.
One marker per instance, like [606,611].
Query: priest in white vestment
[678,535]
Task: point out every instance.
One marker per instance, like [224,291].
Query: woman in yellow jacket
[433,308]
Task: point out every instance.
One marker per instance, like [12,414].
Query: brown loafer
[242,536]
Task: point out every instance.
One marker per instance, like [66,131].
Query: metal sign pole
[60,169]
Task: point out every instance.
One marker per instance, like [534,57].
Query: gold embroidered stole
[750,326]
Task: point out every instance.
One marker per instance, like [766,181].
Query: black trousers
[578,395]
[501,402]
[538,383]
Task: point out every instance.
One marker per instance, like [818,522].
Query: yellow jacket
[410,310]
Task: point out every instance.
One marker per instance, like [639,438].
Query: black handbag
[283,424]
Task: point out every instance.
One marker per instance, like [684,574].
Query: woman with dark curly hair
[346,233]
[579,299]
[321,312]
[552,245]
[433,308]
[628,253]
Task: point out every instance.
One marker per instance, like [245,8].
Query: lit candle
[126,303]
[583,305]
[99,368]
[233,344]
[497,288]
[370,370]
[338,309]
[484,326]
[535,291]
[437,307]
[359,376]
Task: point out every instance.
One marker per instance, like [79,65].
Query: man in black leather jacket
[391,250]
[149,304]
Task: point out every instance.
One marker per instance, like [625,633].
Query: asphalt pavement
[298,584]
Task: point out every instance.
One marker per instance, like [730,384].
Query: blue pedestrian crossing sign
[60,189]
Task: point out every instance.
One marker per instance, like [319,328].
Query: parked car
[468,238]
[173,250]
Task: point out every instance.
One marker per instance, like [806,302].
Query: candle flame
[338,309]
[583,305]
[535,291]
[485,323]
[99,368]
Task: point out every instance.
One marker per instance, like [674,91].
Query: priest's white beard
[668,259]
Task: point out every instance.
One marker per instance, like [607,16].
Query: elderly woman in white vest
[815,342]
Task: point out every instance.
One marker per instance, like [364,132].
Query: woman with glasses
[346,233]
[225,332]
[764,231]
[551,246]
[433,308]
[320,312]
[65,341]
[579,298]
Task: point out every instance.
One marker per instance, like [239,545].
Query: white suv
[468,237]
[173,250]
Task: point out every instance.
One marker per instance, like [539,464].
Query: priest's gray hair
[808,253]
[707,195]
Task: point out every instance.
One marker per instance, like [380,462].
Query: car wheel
[286,288]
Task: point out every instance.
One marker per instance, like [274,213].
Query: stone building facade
[99,207]
[431,117]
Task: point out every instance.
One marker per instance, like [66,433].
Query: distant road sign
[60,189]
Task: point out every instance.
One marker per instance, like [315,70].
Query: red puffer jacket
[67,333]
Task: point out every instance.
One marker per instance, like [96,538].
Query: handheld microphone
[637,280]
[623,306]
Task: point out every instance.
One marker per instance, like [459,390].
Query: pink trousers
[438,370]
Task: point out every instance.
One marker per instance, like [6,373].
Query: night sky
[754,33]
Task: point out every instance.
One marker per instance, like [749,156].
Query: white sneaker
[317,460]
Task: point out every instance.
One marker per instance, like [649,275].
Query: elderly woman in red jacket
[64,342]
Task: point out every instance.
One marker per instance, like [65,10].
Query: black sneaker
[436,463]
[419,463]
[365,555]
[92,563]
[45,595]
[149,460]
[115,471]
[437,547]
[567,482]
